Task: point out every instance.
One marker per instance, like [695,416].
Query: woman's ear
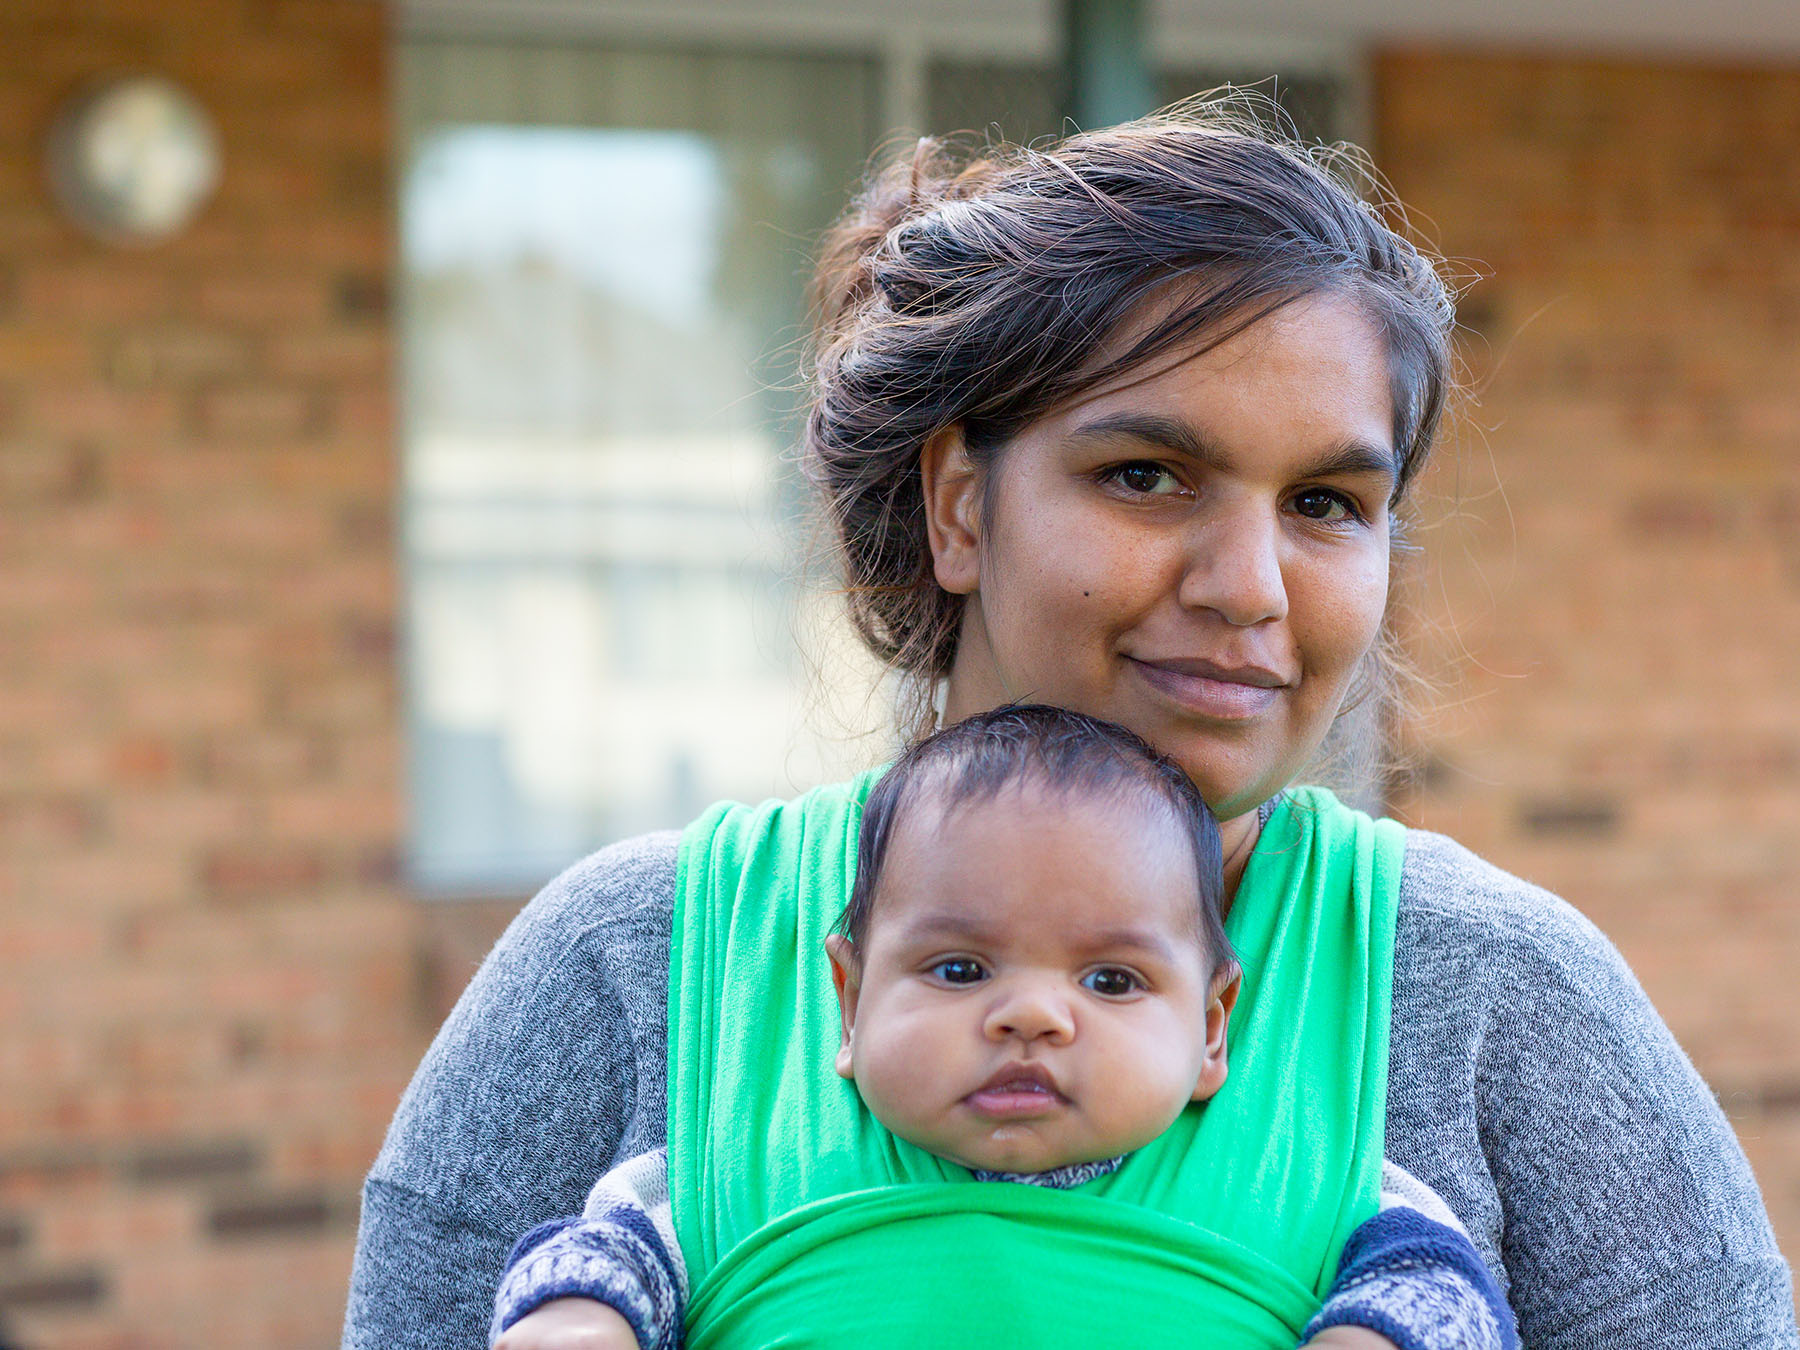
[952,491]
[846,978]
[1221,999]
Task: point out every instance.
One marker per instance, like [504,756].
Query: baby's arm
[1411,1278]
[612,1277]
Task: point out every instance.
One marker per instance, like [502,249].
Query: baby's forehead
[987,919]
[1135,815]
[972,861]
[943,790]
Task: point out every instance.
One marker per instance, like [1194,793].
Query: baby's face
[1032,990]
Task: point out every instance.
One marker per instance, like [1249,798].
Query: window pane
[603,254]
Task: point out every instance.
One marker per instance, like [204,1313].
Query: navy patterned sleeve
[1412,1274]
[621,1252]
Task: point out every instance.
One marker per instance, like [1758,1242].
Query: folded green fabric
[804,1223]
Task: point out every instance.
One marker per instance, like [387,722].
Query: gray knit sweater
[1531,1085]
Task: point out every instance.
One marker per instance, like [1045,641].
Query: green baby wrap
[804,1223]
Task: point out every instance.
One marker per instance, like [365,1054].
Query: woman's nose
[1233,565]
[1030,1012]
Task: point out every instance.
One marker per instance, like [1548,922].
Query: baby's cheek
[895,1081]
[1146,1102]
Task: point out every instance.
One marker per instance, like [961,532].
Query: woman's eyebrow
[1171,433]
[1355,457]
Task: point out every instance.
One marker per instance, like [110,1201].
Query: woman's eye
[1323,504]
[959,970]
[1147,478]
[1110,982]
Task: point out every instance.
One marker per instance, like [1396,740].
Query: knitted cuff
[1419,1283]
[616,1259]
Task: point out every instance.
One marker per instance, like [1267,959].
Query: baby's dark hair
[1066,752]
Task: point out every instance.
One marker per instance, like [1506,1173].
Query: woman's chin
[1230,786]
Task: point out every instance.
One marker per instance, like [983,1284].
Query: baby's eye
[1146,477]
[1110,982]
[959,970]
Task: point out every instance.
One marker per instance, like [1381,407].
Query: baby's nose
[1030,1013]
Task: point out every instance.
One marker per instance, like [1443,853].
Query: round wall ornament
[134,159]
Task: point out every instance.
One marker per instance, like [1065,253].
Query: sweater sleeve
[1411,1274]
[1535,1088]
[549,1069]
[621,1251]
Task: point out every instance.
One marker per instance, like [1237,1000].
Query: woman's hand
[1349,1338]
[575,1324]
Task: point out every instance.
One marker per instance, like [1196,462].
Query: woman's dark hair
[976,289]
[1062,752]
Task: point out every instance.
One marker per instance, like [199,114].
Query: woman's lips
[1229,694]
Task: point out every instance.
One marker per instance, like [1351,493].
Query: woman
[1122,425]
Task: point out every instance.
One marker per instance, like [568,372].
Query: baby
[1034,982]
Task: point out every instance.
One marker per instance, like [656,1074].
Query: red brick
[142,759]
[91,292]
[278,412]
[115,878]
[267,298]
[57,938]
[47,353]
[91,410]
[263,872]
[224,702]
[261,527]
[350,814]
[266,759]
[176,353]
[330,353]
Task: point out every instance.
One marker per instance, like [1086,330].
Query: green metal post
[1106,62]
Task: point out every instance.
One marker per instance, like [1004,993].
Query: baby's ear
[846,978]
[1220,1000]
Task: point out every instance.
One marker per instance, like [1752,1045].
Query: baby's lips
[1022,1076]
[1001,1104]
[1017,1092]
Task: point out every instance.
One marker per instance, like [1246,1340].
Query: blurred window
[602,259]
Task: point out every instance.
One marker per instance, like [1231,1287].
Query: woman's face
[1201,554]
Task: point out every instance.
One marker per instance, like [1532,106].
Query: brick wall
[207,1002]
[1617,537]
